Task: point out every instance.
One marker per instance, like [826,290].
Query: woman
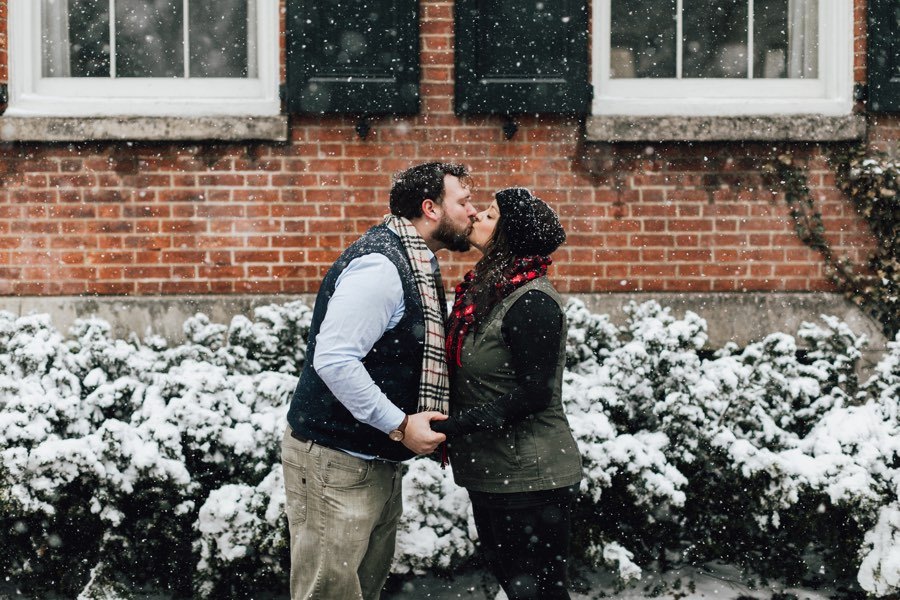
[509,442]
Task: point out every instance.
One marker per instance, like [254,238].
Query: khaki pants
[343,514]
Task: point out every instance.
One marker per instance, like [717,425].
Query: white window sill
[768,128]
[128,128]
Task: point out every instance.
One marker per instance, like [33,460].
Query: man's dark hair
[417,183]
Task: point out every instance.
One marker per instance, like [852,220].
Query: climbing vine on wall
[870,180]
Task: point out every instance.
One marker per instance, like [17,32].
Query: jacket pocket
[508,449]
[525,446]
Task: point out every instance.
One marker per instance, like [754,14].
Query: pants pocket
[293,461]
[342,470]
[296,492]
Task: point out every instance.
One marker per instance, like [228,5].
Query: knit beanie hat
[531,227]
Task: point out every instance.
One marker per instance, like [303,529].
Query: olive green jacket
[538,453]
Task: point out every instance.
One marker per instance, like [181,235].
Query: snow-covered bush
[754,456]
[122,461]
[112,451]
[436,530]
[243,528]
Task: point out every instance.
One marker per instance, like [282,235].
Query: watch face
[396,435]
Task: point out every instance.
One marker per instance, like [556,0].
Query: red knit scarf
[462,316]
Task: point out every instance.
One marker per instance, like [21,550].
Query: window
[723,57]
[143,57]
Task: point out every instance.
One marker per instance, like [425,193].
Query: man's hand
[419,437]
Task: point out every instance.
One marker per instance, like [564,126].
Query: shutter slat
[883,62]
[353,57]
[516,57]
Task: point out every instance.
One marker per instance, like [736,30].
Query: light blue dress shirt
[367,302]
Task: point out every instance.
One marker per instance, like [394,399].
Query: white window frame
[31,94]
[829,94]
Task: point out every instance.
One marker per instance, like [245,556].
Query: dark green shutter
[353,56]
[522,56]
[883,61]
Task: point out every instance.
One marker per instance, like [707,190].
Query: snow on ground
[714,581]
[718,581]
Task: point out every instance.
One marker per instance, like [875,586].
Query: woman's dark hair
[489,271]
[417,183]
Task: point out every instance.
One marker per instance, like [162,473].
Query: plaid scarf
[462,315]
[434,385]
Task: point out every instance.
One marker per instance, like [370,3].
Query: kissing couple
[388,376]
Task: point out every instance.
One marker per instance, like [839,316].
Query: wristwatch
[397,434]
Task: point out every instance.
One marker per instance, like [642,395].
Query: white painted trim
[751,26]
[679,38]
[34,95]
[830,94]
[113,54]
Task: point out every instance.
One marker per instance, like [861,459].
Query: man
[373,381]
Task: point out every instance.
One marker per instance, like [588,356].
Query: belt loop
[304,443]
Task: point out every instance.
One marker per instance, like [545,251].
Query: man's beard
[454,239]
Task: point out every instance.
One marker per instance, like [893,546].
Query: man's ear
[429,211]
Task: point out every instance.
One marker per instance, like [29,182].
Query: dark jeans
[525,539]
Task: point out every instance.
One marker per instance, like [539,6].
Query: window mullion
[186,35]
[679,32]
[252,44]
[112,39]
[750,26]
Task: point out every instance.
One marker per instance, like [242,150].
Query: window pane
[643,38]
[149,38]
[715,38]
[75,38]
[785,39]
[218,38]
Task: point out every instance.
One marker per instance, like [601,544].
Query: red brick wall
[114,218]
